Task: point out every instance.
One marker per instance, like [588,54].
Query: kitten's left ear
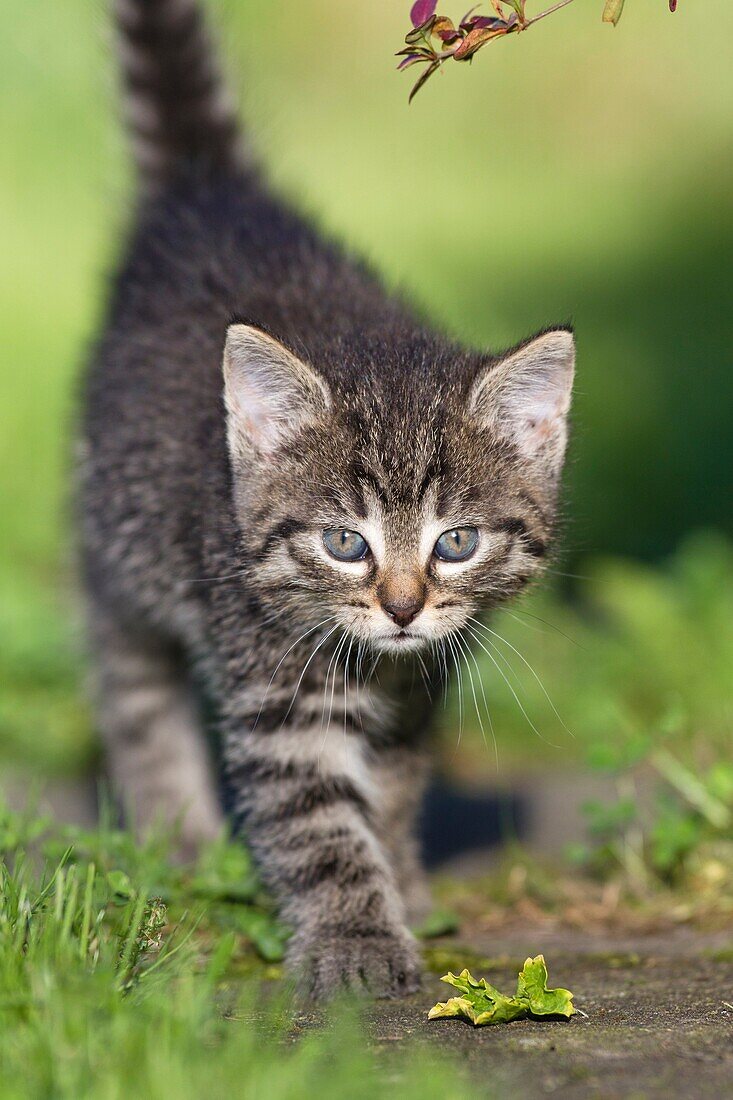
[270,394]
[526,397]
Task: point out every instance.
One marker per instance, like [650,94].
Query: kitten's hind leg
[150,726]
[401,774]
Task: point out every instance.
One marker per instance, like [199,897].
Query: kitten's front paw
[381,963]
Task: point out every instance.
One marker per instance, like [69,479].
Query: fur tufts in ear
[526,397]
[270,395]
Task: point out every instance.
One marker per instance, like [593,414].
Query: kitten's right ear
[526,397]
[270,394]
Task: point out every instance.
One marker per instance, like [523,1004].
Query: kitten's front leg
[401,772]
[310,809]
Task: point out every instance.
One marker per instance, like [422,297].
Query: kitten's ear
[526,397]
[269,393]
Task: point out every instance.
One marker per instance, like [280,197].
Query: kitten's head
[395,499]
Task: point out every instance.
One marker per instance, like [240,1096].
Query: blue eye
[345,545]
[456,545]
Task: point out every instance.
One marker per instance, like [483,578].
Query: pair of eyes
[459,544]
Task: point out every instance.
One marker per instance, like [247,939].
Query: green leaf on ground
[532,988]
[482,1004]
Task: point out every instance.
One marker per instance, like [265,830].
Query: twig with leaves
[435,39]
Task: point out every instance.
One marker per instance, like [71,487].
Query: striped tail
[176,106]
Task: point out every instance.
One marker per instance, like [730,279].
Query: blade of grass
[127,958]
[691,788]
[69,906]
[164,958]
[86,920]
[49,885]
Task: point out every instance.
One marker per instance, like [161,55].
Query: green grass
[122,974]
[107,990]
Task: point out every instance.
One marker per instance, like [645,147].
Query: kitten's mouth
[404,633]
[404,640]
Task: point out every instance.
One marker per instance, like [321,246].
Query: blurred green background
[573,173]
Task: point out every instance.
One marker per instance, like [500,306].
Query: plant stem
[548,11]
[691,788]
[86,923]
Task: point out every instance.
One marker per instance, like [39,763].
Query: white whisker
[526,663]
[469,653]
[517,611]
[459,685]
[446,673]
[518,682]
[305,669]
[280,662]
[216,580]
[346,678]
[333,663]
[517,700]
[425,675]
[357,676]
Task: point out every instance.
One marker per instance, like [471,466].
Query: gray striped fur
[177,109]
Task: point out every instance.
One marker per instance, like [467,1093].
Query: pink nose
[403,611]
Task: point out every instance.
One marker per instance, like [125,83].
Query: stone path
[658,1023]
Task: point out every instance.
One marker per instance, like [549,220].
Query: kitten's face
[421,572]
[396,516]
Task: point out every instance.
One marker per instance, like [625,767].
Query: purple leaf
[477,38]
[410,60]
[468,13]
[421,11]
[486,22]
[482,21]
[425,75]
[445,31]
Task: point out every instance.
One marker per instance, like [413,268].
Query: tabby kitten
[336,503]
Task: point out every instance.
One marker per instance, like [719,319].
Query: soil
[657,1017]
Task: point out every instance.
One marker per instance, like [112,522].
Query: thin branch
[470,40]
[549,11]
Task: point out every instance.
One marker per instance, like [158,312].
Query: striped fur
[176,107]
[205,493]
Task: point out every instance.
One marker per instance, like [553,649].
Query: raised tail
[176,105]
